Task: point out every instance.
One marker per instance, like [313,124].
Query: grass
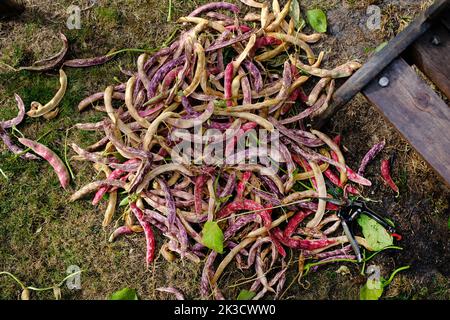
[107,16]
[41,234]
[13,56]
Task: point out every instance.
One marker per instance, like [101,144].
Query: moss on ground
[41,234]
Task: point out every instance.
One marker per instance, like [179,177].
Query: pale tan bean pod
[333,146]
[38,110]
[130,104]
[322,191]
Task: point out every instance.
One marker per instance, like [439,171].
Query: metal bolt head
[383,82]
[435,40]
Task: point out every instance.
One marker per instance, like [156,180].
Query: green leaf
[212,236]
[448,223]
[296,16]
[246,295]
[377,237]
[124,202]
[372,290]
[124,294]
[317,19]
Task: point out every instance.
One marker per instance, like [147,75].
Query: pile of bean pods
[235,74]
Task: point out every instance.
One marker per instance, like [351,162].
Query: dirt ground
[41,234]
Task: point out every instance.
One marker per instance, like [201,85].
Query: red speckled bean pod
[371,154]
[222,44]
[162,72]
[228,85]
[278,246]
[271,186]
[335,180]
[249,205]
[207,274]
[313,206]
[305,113]
[239,224]
[305,165]
[229,148]
[266,41]
[246,89]
[200,182]
[116,174]
[242,28]
[290,165]
[220,17]
[50,157]
[149,236]
[52,62]
[215,6]
[259,267]
[290,102]
[124,230]
[170,77]
[342,251]
[89,62]
[242,184]
[350,189]
[170,203]
[294,222]
[300,243]
[229,187]
[299,136]
[254,248]
[386,174]
[283,95]
[255,74]
[332,177]
[19,118]
[352,175]
[4,136]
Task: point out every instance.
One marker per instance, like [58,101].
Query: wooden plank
[433,58]
[416,111]
[445,20]
[383,58]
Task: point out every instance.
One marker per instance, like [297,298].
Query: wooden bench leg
[431,54]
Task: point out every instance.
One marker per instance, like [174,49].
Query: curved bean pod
[51,158]
[38,109]
[13,147]
[149,237]
[19,118]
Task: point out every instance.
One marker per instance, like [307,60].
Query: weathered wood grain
[383,58]
[431,54]
[416,111]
